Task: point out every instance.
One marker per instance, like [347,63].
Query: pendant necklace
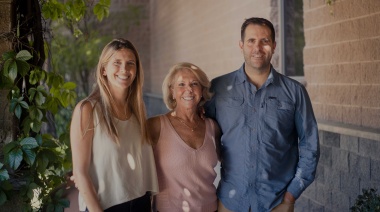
[183,122]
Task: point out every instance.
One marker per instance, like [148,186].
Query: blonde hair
[169,79]
[102,95]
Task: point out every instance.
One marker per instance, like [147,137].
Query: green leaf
[52,10]
[101,11]
[14,103]
[29,143]
[3,197]
[39,139]
[69,85]
[18,111]
[35,113]
[52,104]
[4,175]
[49,144]
[12,70]
[34,77]
[9,146]
[32,93]
[35,126]
[54,80]
[29,156]
[41,89]
[22,67]
[15,158]
[8,55]
[6,66]
[26,125]
[24,104]
[40,98]
[72,98]
[30,192]
[77,32]
[23,55]
[42,162]
[51,156]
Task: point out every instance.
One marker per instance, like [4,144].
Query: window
[293,38]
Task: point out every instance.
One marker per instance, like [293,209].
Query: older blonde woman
[185,145]
[113,161]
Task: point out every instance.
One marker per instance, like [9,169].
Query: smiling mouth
[258,56]
[123,77]
[188,98]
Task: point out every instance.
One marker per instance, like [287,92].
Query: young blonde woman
[113,161]
[185,145]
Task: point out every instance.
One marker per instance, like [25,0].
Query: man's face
[257,47]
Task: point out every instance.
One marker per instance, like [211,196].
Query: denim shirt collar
[242,77]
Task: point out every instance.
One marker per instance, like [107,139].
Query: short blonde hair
[169,79]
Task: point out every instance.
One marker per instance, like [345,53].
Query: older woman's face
[186,89]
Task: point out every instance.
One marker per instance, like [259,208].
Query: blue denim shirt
[269,141]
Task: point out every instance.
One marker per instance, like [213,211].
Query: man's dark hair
[257,21]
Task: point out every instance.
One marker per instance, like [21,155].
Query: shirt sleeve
[308,144]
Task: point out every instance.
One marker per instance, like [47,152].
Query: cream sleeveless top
[121,173]
[185,175]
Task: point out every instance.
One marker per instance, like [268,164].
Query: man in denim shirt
[270,144]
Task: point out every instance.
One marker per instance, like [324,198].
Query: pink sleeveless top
[185,175]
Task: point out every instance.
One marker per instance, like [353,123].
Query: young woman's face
[121,69]
[186,89]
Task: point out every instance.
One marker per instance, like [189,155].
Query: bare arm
[154,129]
[81,135]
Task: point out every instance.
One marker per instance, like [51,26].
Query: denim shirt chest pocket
[230,109]
[279,114]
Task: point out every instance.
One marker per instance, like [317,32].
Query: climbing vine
[35,162]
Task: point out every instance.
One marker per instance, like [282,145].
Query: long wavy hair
[102,95]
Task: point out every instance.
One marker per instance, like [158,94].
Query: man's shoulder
[226,78]
[289,81]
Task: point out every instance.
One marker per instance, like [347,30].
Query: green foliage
[80,58]
[35,160]
[369,201]
[72,11]
[35,163]
[101,10]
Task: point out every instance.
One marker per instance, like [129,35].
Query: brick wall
[347,165]
[342,60]
[342,71]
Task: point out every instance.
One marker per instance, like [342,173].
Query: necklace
[183,122]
